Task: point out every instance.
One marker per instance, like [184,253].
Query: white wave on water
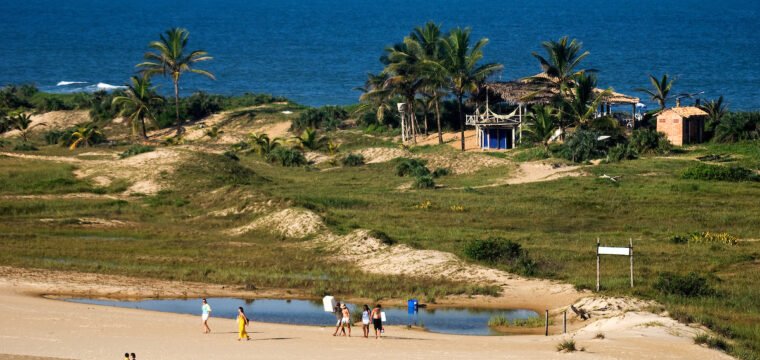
[108,87]
[67,83]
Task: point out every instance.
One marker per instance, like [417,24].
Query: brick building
[682,125]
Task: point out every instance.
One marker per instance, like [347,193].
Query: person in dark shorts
[377,320]
[338,312]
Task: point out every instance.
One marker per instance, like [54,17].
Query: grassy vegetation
[532,322]
[556,222]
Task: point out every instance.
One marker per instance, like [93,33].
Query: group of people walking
[341,311]
[242,321]
[343,317]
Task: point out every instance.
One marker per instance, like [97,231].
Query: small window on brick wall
[662,121]
[675,121]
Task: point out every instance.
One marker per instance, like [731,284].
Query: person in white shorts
[206,312]
[365,320]
[346,320]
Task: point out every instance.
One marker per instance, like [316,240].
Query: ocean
[316,52]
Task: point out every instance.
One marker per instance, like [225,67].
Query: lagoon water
[315,52]
[304,312]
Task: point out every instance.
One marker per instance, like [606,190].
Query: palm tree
[23,123]
[461,62]
[715,110]
[84,136]
[138,101]
[542,124]
[660,92]
[560,66]
[405,66]
[430,40]
[584,100]
[310,139]
[375,96]
[172,59]
[263,145]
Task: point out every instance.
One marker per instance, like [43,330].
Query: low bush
[689,285]
[25,147]
[493,250]
[135,150]
[288,157]
[719,173]
[439,172]
[713,238]
[582,146]
[54,136]
[424,182]
[352,160]
[503,321]
[567,346]
[411,167]
[647,141]
[326,117]
[679,239]
[621,152]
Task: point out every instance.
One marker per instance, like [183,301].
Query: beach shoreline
[42,327]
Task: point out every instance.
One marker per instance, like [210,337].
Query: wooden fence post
[631,254]
[546,326]
[564,322]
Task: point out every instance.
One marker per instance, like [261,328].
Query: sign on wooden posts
[607,250]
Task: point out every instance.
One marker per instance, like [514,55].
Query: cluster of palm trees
[309,140]
[170,58]
[422,70]
[570,88]
[21,122]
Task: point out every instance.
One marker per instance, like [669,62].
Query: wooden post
[564,322]
[597,264]
[546,326]
[633,117]
[631,254]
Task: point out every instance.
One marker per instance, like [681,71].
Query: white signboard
[605,250]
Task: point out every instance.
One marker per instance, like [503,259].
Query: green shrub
[567,345]
[411,167]
[678,239]
[353,160]
[25,147]
[621,152]
[582,146]
[135,150]
[54,136]
[424,182]
[719,173]
[231,155]
[689,285]
[531,154]
[647,141]
[738,126]
[439,172]
[503,321]
[200,105]
[288,157]
[493,250]
[326,117]
[713,238]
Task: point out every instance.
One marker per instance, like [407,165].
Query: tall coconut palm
[542,124]
[171,58]
[561,65]
[137,104]
[660,91]
[430,40]
[461,61]
[23,123]
[405,67]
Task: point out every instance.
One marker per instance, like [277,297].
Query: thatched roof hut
[528,92]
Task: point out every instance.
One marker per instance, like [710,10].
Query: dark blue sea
[316,51]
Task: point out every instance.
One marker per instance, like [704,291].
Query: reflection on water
[463,321]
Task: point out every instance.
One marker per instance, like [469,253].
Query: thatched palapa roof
[524,91]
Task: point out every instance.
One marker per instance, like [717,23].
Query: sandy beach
[35,327]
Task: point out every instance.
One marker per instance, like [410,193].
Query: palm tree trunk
[426,122]
[176,106]
[461,118]
[144,133]
[438,121]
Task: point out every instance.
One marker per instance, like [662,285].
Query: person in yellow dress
[242,321]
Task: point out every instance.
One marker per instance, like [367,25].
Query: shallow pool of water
[462,321]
